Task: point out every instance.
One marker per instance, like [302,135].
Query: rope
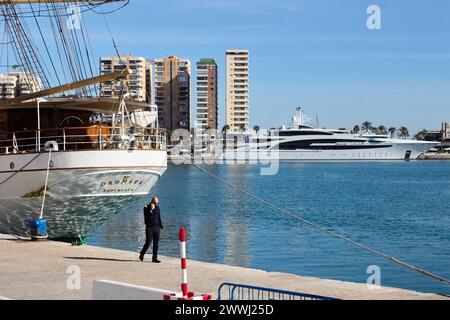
[45,43]
[85,6]
[58,46]
[89,53]
[72,45]
[356,244]
[111,35]
[27,52]
[46,183]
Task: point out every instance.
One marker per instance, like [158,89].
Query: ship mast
[71,45]
[54,1]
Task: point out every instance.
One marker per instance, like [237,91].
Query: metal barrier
[245,292]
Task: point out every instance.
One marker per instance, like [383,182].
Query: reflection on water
[395,207]
[66,217]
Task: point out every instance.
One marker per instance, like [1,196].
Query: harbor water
[398,208]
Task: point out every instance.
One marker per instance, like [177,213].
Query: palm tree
[403,132]
[376,130]
[225,128]
[356,129]
[382,129]
[392,130]
[256,128]
[421,134]
[366,126]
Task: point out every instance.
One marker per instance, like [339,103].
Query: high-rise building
[172,92]
[446,130]
[236,98]
[15,84]
[8,86]
[139,81]
[206,95]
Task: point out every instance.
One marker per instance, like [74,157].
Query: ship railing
[96,137]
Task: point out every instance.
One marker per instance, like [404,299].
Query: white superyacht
[302,142]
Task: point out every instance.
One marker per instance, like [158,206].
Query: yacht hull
[388,151]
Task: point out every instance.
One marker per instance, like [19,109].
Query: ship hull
[85,188]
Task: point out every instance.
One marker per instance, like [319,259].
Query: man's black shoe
[156,261]
[141,257]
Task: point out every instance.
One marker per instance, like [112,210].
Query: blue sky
[318,54]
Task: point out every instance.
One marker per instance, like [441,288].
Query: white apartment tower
[8,85]
[236,98]
[15,84]
[140,79]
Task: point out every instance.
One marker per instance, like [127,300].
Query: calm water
[399,208]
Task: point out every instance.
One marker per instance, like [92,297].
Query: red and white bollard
[185,294]
[184,282]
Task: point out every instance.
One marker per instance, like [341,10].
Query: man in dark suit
[153,228]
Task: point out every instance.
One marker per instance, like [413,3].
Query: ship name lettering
[125,180]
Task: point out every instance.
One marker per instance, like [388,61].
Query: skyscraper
[237,102]
[139,81]
[172,92]
[206,95]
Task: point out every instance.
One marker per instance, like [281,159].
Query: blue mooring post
[38,229]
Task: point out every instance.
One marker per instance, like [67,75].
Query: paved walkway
[38,270]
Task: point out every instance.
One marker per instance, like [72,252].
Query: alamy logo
[374,280]
[74,280]
[214,147]
[374,20]
[73,17]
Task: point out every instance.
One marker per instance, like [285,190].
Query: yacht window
[290,133]
[328,144]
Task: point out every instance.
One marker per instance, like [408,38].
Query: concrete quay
[46,270]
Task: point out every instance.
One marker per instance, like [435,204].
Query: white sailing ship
[101,153]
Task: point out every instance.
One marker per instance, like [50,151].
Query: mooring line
[364,247]
[41,213]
